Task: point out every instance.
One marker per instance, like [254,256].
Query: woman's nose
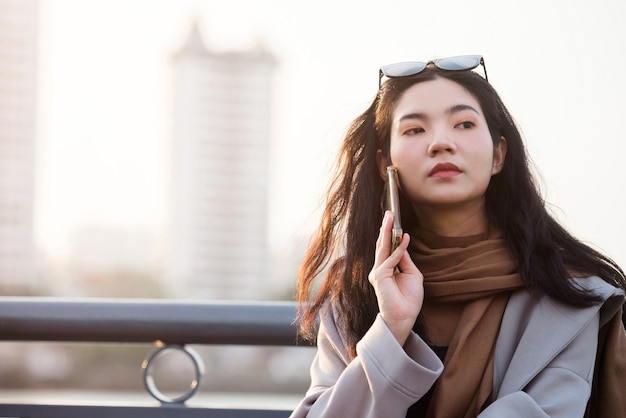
[441,142]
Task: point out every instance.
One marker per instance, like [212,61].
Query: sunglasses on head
[406,69]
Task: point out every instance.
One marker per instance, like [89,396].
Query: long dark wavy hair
[342,250]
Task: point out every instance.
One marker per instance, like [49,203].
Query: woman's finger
[383,243]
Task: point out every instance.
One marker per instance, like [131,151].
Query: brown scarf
[467,284]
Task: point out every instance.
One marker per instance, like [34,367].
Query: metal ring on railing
[148,378]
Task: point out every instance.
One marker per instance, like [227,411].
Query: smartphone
[392,203]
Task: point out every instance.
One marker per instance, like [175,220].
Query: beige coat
[543,364]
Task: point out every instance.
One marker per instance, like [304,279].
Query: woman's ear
[499,155]
[383,163]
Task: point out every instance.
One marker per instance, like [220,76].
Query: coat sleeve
[383,380]
[561,389]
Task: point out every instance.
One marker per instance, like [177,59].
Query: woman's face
[441,146]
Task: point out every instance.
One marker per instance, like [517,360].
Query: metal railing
[170,324]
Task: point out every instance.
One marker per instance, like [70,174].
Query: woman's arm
[393,367]
[383,380]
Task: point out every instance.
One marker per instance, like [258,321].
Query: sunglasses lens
[464,62]
[403,69]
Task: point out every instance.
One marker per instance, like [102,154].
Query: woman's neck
[453,221]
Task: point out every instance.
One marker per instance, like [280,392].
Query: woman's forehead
[439,96]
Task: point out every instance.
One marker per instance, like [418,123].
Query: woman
[488,307]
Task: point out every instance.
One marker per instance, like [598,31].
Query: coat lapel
[535,329]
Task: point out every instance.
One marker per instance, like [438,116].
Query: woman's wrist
[400,329]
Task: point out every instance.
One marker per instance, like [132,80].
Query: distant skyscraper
[19,24]
[220,172]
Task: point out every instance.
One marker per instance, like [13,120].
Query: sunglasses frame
[421,66]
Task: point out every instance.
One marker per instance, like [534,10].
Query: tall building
[220,172]
[19,31]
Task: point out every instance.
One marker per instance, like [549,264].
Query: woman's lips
[444,170]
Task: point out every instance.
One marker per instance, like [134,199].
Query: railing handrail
[170,321]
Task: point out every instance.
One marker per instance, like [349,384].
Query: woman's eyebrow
[451,110]
[460,108]
[416,115]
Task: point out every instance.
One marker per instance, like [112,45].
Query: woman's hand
[398,283]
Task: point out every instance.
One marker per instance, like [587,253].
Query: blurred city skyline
[103,232]
[105,83]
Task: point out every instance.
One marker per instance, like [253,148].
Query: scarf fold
[469,278]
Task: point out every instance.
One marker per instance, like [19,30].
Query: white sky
[104,123]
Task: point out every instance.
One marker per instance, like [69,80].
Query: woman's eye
[466,125]
[413,131]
